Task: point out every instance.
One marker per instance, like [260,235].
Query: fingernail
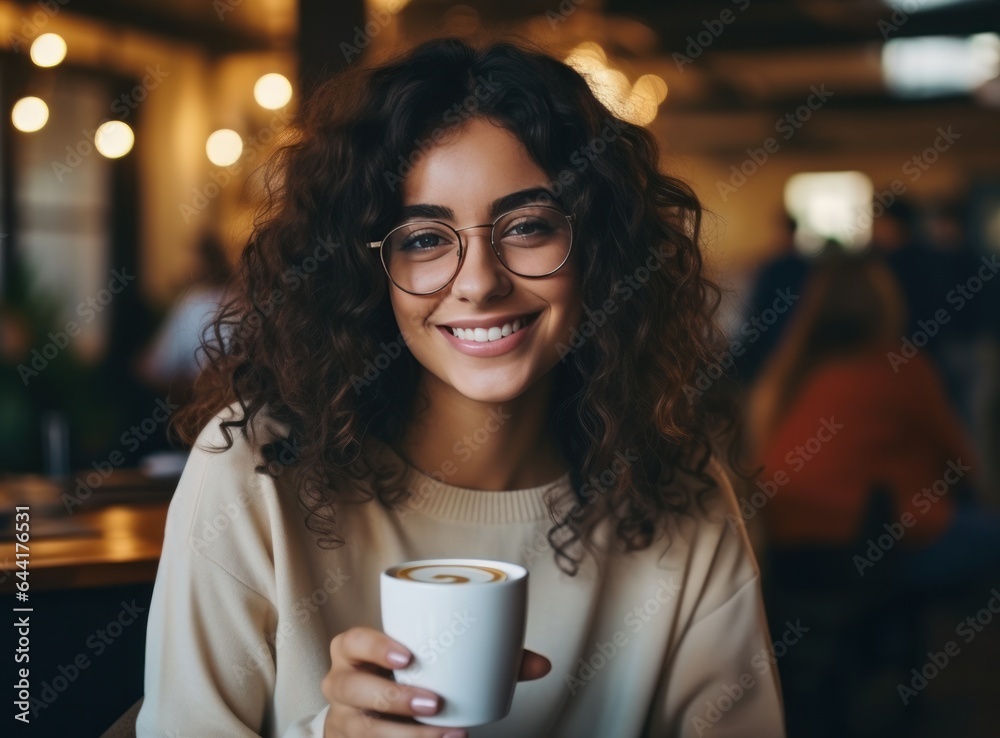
[455,734]
[399,658]
[424,705]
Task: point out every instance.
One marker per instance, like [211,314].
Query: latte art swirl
[452,574]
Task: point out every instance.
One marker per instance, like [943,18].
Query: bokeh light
[29,114]
[114,139]
[272,91]
[48,50]
[224,147]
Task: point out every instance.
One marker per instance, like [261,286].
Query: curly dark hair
[294,341]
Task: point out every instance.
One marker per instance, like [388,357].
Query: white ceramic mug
[463,620]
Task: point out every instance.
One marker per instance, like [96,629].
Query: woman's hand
[365,701]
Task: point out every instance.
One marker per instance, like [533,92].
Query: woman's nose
[481,276]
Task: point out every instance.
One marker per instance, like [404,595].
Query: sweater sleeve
[719,679]
[722,681]
[210,667]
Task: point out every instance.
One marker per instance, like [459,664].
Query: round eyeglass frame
[570,219]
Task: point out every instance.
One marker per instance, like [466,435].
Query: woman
[842,408]
[466,324]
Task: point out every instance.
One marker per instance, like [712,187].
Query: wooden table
[114,537]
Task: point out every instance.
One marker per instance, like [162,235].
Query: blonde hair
[851,305]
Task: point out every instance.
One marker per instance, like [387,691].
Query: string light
[272,91]
[114,139]
[224,147]
[637,103]
[48,50]
[29,114]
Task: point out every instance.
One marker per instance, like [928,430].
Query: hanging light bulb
[48,50]
[224,147]
[114,139]
[272,91]
[29,114]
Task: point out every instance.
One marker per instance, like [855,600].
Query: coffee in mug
[449,574]
[464,622]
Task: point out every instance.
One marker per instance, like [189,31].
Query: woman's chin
[491,392]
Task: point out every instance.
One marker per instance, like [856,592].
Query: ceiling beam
[206,30]
[777,24]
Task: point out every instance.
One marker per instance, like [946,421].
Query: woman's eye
[527,228]
[421,241]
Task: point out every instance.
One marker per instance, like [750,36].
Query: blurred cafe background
[847,151]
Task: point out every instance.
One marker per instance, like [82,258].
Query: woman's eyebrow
[530,196]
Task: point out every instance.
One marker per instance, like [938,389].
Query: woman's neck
[482,445]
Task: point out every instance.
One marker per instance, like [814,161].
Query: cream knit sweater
[670,641]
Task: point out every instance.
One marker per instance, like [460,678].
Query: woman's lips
[490,348]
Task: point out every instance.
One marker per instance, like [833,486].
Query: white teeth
[485,335]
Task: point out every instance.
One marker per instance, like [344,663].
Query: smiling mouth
[493,333]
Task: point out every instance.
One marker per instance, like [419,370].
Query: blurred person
[895,238]
[171,362]
[839,409]
[458,296]
[783,274]
[963,345]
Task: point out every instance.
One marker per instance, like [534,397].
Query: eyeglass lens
[423,256]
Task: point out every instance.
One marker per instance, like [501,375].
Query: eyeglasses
[423,257]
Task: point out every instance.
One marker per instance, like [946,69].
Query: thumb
[533,666]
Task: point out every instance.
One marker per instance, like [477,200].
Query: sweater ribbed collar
[434,498]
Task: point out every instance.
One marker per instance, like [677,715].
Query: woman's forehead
[476,165]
